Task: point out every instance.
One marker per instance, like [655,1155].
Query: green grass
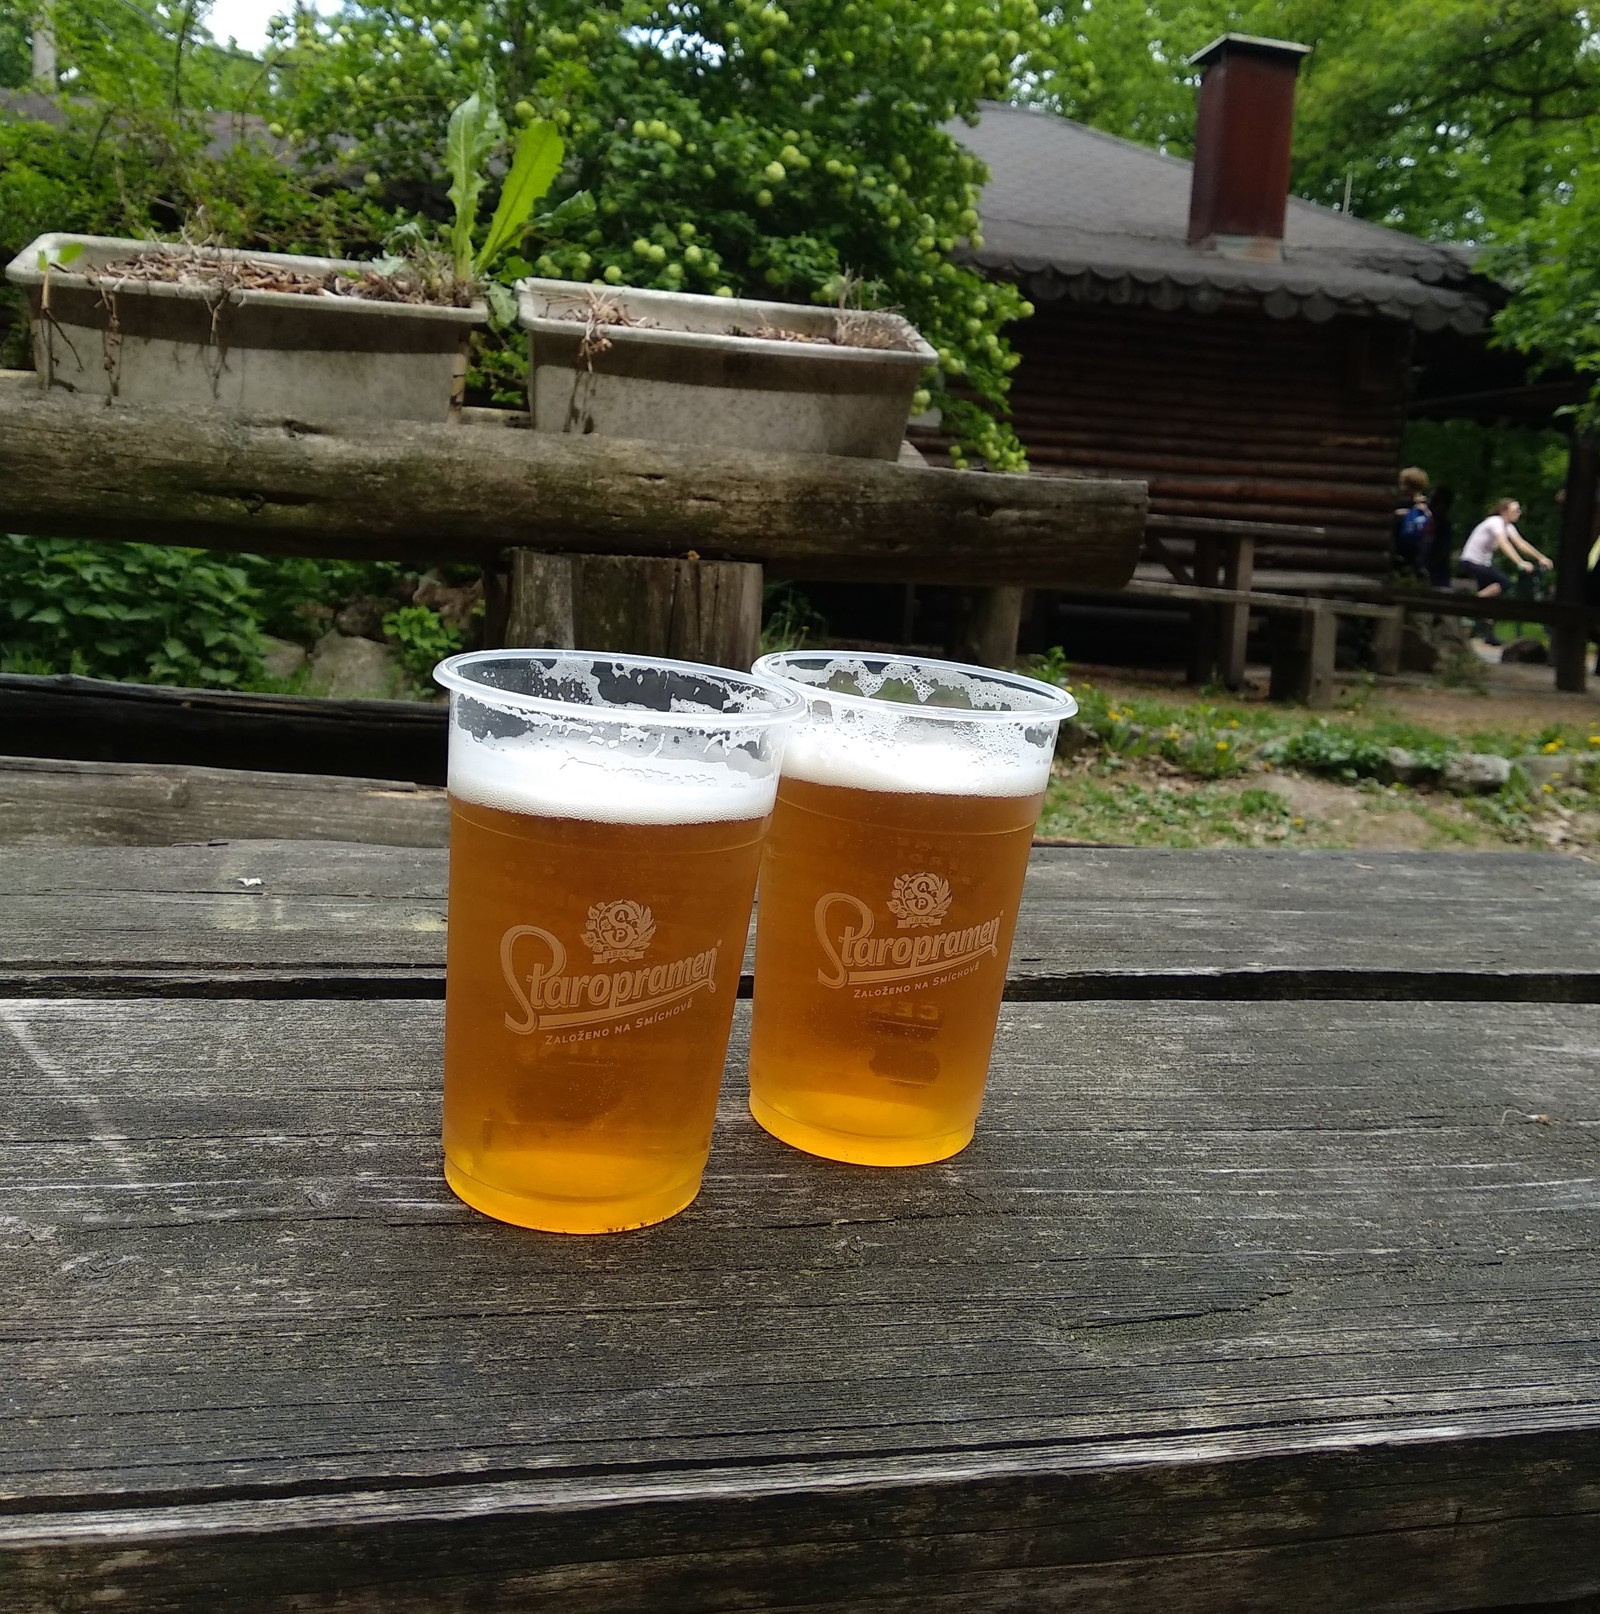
[1154,772]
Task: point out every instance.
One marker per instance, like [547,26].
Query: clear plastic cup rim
[1057,705]
[454,672]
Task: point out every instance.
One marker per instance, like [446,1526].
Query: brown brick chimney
[1243,129]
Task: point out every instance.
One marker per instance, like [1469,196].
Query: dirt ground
[1515,696]
[1148,802]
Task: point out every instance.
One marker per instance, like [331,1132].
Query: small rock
[1476,774]
[1527,649]
[1551,767]
[283,657]
[362,617]
[1071,738]
[354,669]
[1427,641]
[455,604]
[1402,767]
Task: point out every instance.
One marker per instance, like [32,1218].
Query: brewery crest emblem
[618,931]
[919,901]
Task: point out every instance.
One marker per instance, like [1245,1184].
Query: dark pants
[1480,574]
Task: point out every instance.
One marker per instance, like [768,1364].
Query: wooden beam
[45,802]
[95,719]
[1569,638]
[465,491]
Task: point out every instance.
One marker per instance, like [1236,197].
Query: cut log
[641,605]
[467,491]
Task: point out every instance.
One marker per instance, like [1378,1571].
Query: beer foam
[873,756]
[563,778]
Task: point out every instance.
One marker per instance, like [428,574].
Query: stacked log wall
[1226,414]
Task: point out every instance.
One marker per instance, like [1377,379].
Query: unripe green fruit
[773,277]
[371,181]
[724,291]
[524,111]
[640,129]
[694,255]
[641,247]
[769,58]
[774,171]
[791,156]
[763,197]
[613,274]
[657,254]
[686,231]
[833,166]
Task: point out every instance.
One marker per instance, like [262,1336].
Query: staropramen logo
[550,997]
[919,951]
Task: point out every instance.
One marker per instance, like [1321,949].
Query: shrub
[142,612]
[423,638]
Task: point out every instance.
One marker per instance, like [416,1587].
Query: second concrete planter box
[689,371]
[297,355]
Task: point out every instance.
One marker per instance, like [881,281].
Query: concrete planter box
[686,378]
[268,353]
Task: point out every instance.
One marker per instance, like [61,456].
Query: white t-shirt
[1481,545]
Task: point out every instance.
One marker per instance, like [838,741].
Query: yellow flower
[1234,724]
[1553,745]
[1594,739]
[1222,745]
[1547,789]
[1299,823]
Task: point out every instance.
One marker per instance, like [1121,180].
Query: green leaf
[70,253]
[502,304]
[175,648]
[48,614]
[473,129]
[533,169]
[565,214]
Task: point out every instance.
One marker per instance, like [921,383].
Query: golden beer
[598,913]
[888,901]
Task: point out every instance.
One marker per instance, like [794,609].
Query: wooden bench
[1302,659]
[1269,1281]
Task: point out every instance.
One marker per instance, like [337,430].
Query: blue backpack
[1416,526]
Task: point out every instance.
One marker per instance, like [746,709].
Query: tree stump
[691,610]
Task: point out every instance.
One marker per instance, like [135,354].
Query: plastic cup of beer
[889,893]
[606,821]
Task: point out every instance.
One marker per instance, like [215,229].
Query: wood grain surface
[333,919]
[45,802]
[1231,1306]
[408,491]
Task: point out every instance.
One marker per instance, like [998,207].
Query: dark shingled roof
[1071,212]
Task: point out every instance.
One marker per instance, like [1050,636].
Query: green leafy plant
[473,134]
[423,638]
[144,612]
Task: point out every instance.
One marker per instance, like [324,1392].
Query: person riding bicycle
[1495,535]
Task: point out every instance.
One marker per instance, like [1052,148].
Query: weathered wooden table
[1272,1280]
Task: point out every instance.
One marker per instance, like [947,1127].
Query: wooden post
[1303,655]
[1388,633]
[692,610]
[987,636]
[539,605]
[1238,572]
[1203,619]
[1569,634]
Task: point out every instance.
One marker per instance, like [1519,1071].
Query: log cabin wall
[1226,414]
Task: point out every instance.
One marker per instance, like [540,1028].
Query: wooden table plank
[335,920]
[1227,1305]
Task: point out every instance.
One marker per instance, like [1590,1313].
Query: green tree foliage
[1453,119]
[732,146]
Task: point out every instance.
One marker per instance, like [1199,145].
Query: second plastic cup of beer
[889,893]
[606,821]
